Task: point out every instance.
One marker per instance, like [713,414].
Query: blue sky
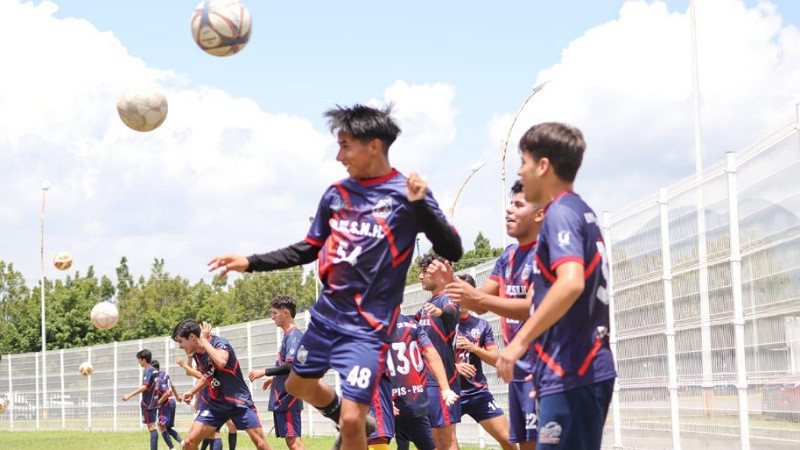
[244,154]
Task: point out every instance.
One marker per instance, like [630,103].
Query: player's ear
[375,147]
[539,215]
[543,165]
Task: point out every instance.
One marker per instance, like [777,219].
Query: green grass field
[81,440]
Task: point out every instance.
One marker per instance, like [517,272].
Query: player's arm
[437,368]
[487,353]
[490,287]
[446,241]
[218,356]
[302,252]
[174,391]
[164,397]
[486,299]
[559,299]
[198,385]
[190,371]
[138,391]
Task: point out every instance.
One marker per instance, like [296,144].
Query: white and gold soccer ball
[86,369]
[142,110]
[3,405]
[105,315]
[62,260]
[221,27]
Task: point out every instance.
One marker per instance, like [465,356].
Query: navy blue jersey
[480,333]
[513,272]
[227,389]
[367,230]
[149,378]
[406,366]
[443,337]
[279,399]
[163,383]
[575,351]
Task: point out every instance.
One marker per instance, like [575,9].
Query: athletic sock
[167,439]
[217,444]
[333,410]
[206,442]
[153,440]
[232,441]
[174,433]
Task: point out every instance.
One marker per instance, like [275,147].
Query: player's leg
[443,419]
[247,419]
[165,413]
[231,435]
[197,433]
[497,427]
[352,424]
[482,407]
[257,436]
[414,428]
[288,425]
[522,417]
[575,418]
[445,437]
[310,364]
[153,430]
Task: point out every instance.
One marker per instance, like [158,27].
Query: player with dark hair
[508,293]
[363,234]
[474,346]
[286,408]
[166,395]
[574,373]
[229,394]
[149,405]
[439,318]
[200,402]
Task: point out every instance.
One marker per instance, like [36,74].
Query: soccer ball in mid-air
[62,260]
[142,111]
[3,405]
[86,369]
[221,27]
[105,315]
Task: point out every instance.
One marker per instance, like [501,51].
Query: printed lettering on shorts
[550,433]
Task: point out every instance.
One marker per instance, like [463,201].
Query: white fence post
[89,391]
[669,319]
[141,425]
[11,396]
[307,320]
[738,310]
[63,398]
[114,401]
[249,353]
[612,334]
[36,363]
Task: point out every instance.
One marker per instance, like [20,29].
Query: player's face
[427,281]
[187,344]
[530,174]
[519,217]
[355,155]
[279,316]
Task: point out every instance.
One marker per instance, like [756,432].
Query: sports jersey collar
[528,246]
[378,180]
[466,319]
[291,328]
[558,196]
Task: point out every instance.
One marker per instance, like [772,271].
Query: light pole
[45,187]
[316,269]
[475,168]
[503,193]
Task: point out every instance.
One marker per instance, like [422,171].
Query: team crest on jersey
[337,203]
[383,208]
[526,271]
[302,354]
[291,352]
[563,238]
[475,333]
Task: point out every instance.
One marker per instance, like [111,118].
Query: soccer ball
[142,111]
[3,405]
[221,27]
[62,260]
[105,315]
[86,369]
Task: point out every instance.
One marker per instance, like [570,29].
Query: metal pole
[306,321]
[249,353]
[473,171]
[45,187]
[11,396]
[89,391]
[612,334]
[666,276]
[738,309]
[37,361]
[63,398]
[114,401]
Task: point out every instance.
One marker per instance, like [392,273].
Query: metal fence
[706,325]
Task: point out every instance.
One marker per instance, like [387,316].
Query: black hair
[428,258]
[185,328]
[561,144]
[364,123]
[155,364]
[145,355]
[467,277]
[516,188]
[284,302]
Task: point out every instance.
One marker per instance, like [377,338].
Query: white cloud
[220,175]
[628,85]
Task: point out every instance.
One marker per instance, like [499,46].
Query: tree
[481,252]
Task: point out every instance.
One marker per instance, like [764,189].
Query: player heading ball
[363,234]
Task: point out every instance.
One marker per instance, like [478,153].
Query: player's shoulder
[219,341]
[514,246]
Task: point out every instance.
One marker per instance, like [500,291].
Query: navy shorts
[480,406]
[149,415]
[574,419]
[166,414]
[522,417]
[441,415]
[243,418]
[288,423]
[416,429]
[382,410]
[359,359]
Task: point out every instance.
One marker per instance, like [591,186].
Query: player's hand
[205,331]
[532,393]
[449,397]
[395,410]
[227,263]
[440,272]
[466,370]
[416,187]
[187,398]
[180,361]
[126,397]
[462,293]
[267,384]
[508,358]
[463,343]
[256,374]
[432,310]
